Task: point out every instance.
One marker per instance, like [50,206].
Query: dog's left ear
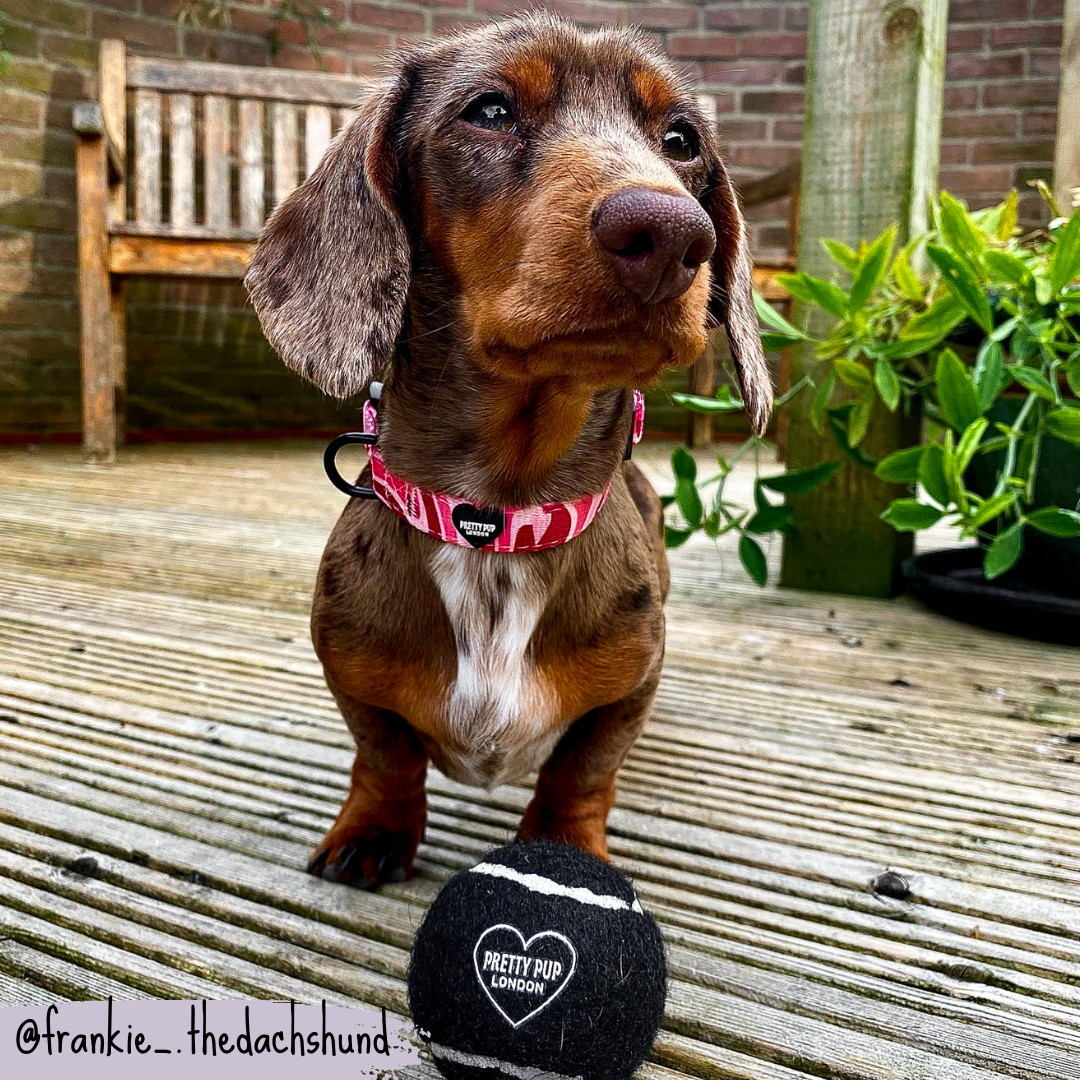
[330,274]
[732,300]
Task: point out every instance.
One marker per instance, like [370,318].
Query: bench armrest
[89,122]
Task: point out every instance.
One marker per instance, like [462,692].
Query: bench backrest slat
[316,135]
[252,169]
[147,157]
[216,161]
[232,80]
[181,160]
[286,149]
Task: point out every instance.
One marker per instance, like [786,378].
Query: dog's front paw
[365,857]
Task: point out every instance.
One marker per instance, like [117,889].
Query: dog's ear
[732,302]
[330,273]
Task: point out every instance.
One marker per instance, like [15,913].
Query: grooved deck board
[162,713]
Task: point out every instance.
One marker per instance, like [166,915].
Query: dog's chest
[501,719]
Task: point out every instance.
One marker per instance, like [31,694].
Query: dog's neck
[448,425]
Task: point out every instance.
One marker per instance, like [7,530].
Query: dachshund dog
[520,227]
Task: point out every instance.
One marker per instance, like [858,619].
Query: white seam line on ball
[538,884]
[524,1072]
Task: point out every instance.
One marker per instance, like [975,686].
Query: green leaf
[1056,521]
[771,519]
[1003,330]
[841,254]
[1010,209]
[689,501]
[906,281]
[683,465]
[956,392]
[821,401]
[1064,423]
[753,559]
[960,278]
[817,291]
[991,508]
[1032,380]
[771,317]
[910,515]
[958,231]
[801,480]
[888,384]
[989,373]
[871,270]
[709,406]
[901,467]
[776,342]
[1072,375]
[932,475]
[1008,267]
[927,330]
[859,420]
[969,443]
[1065,262]
[1002,554]
[834,420]
[674,538]
[853,374]
[1043,189]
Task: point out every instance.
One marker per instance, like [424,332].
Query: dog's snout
[656,241]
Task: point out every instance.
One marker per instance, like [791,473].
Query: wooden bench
[213,148]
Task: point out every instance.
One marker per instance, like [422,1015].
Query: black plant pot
[952,582]
[1040,597]
[1049,564]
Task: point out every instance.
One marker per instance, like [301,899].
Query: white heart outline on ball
[525,945]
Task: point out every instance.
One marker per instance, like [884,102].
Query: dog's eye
[680,143]
[491,112]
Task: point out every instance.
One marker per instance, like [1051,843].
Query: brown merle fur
[459,265]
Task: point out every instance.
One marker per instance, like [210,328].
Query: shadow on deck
[169,756]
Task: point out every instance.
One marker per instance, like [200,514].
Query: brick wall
[197,360]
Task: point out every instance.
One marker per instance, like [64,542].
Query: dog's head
[562,188]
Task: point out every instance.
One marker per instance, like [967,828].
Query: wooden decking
[169,755]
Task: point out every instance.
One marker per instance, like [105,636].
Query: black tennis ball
[538,961]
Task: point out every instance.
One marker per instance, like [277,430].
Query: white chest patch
[499,714]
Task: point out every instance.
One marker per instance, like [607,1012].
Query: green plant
[997,312]
[702,505]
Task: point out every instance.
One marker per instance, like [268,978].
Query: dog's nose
[657,241]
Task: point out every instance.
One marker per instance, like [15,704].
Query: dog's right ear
[330,273]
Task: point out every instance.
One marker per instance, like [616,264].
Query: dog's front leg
[576,787]
[381,822]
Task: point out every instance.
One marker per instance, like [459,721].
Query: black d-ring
[330,463]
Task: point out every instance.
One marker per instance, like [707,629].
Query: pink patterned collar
[457,521]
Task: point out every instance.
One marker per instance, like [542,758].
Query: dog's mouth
[626,350]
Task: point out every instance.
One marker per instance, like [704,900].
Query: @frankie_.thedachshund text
[520,226]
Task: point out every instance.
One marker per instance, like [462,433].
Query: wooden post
[98,394]
[112,92]
[699,428]
[1067,151]
[875,70]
